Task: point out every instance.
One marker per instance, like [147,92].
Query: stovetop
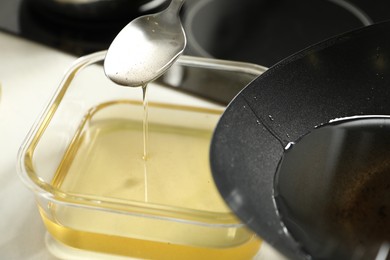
[257,31]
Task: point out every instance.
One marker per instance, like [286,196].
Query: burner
[81,28]
[264,32]
[257,31]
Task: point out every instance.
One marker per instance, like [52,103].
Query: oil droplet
[377,52]
[289,145]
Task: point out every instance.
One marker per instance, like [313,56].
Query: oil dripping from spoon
[145,121]
[145,133]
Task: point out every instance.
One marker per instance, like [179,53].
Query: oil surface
[105,163]
[333,189]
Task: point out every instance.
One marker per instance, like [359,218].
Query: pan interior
[332,189]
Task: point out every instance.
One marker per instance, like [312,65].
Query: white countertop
[29,75]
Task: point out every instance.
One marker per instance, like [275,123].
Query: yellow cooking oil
[165,206]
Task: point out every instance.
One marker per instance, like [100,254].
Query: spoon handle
[175,6]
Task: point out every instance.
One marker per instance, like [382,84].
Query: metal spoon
[146,47]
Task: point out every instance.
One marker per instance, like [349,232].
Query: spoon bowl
[146,47]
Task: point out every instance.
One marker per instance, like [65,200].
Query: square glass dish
[83,159]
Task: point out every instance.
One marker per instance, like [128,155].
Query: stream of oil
[145,137]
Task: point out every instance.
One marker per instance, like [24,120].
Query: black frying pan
[344,76]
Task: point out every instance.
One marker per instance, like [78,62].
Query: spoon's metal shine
[146,47]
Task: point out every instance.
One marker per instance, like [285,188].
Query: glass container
[96,191]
